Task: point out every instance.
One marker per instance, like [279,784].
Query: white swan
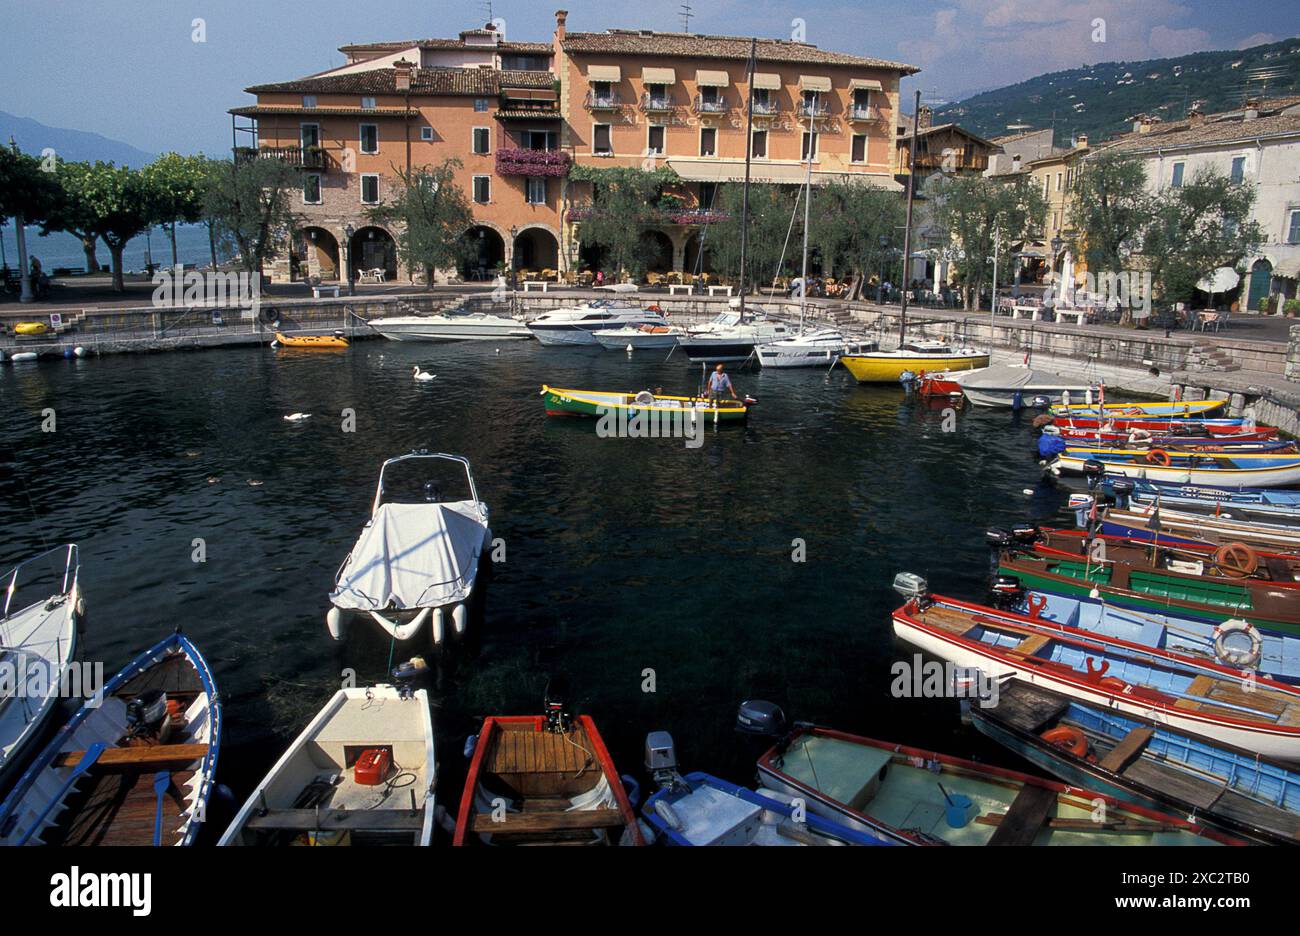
[422,375]
[297,417]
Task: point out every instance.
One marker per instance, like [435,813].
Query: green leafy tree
[975,211]
[177,185]
[1110,209]
[1197,228]
[115,204]
[773,246]
[851,220]
[433,215]
[71,214]
[27,192]
[623,204]
[250,204]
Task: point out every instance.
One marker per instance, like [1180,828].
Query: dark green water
[622,555]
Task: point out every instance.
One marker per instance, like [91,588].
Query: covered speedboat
[419,554]
[39,625]
[578,325]
[1017,385]
[729,337]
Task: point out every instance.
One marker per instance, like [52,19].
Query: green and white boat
[600,403]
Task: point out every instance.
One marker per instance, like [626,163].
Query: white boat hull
[1278,745]
[1214,477]
[1006,396]
[452,328]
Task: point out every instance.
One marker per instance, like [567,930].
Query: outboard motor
[146,712]
[911,586]
[762,724]
[1025,534]
[1120,489]
[1006,591]
[997,538]
[555,706]
[661,760]
[407,676]
[1040,402]
[1093,472]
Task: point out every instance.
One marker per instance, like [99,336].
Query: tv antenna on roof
[486,7]
[686,13]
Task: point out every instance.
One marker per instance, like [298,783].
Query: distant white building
[1258,144]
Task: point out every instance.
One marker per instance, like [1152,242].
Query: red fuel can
[371,767]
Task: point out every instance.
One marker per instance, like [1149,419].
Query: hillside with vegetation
[1102,100]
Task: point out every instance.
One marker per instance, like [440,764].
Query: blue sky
[130,70]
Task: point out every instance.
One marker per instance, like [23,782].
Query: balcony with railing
[602,100]
[818,108]
[768,108]
[864,113]
[707,105]
[532,163]
[300,157]
[656,103]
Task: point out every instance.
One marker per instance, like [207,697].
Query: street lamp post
[24,271]
[514,259]
[348,233]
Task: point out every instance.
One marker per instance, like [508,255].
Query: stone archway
[697,256]
[316,253]
[485,253]
[372,248]
[537,249]
[1260,284]
[658,251]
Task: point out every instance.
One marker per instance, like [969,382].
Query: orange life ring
[1135,411]
[1070,739]
[1158,457]
[1236,560]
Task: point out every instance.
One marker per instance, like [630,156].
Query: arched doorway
[658,251]
[484,254]
[699,252]
[536,249]
[1261,280]
[316,253]
[372,248]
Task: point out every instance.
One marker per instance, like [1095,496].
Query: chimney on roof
[1081,141]
[1194,115]
[1252,109]
[924,118]
[1015,162]
[560,17]
[1144,123]
[403,75]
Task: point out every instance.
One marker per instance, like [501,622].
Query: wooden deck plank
[1026,817]
[1131,746]
[548,821]
[142,755]
[338,820]
[1028,708]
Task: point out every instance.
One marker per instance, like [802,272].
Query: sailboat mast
[807,205]
[749,149]
[907,231]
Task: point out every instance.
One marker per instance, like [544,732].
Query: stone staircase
[1204,356]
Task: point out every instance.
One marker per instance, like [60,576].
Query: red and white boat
[1189,426]
[1146,437]
[1187,693]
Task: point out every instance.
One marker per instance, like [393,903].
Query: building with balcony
[520,115]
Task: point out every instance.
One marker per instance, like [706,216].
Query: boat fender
[1070,739]
[458,617]
[470,743]
[437,626]
[1237,656]
[668,815]
[633,790]
[337,623]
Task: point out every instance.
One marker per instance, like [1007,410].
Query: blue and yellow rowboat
[1165,409]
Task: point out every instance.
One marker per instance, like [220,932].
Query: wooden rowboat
[533,781]
[1188,694]
[362,773]
[1223,469]
[912,796]
[644,403]
[134,770]
[1176,526]
[1147,764]
[1161,409]
[311,342]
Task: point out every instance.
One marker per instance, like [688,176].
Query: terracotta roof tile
[1212,129]
[449,81]
[691,45]
[527,47]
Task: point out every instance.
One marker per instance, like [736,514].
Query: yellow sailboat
[923,355]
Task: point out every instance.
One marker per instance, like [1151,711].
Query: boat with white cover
[1017,385]
[42,615]
[819,348]
[578,325]
[361,773]
[473,326]
[728,338]
[419,555]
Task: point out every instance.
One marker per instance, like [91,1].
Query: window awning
[1287,269]
[659,75]
[693,169]
[814,82]
[529,94]
[865,84]
[712,79]
[767,81]
[604,73]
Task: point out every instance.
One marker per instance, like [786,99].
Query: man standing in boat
[719,382]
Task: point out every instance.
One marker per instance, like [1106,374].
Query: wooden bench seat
[548,821]
[1131,746]
[337,820]
[144,755]
[1026,817]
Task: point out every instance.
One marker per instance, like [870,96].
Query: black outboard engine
[146,712]
[1093,472]
[997,538]
[762,724]
[1025,534]
[556,705]
[1006,591]
[410,675]
[1120,489]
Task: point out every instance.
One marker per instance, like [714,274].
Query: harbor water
[667,582]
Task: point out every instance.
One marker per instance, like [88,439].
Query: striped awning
[712,79]
[604,73]
[865,84]
[659,75]
[706,169]
[814,83]
[767,81]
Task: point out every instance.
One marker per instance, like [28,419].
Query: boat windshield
[421,480]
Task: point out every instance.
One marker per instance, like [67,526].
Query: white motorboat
[578,325]
[419,555]
[819,348]
[361,773]
[727,338]
[1017,385]
[43,611]
[475,326]
[638,337]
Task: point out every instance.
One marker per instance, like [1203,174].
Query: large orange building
[519,115]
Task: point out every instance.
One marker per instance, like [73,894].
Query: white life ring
[1233,656]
